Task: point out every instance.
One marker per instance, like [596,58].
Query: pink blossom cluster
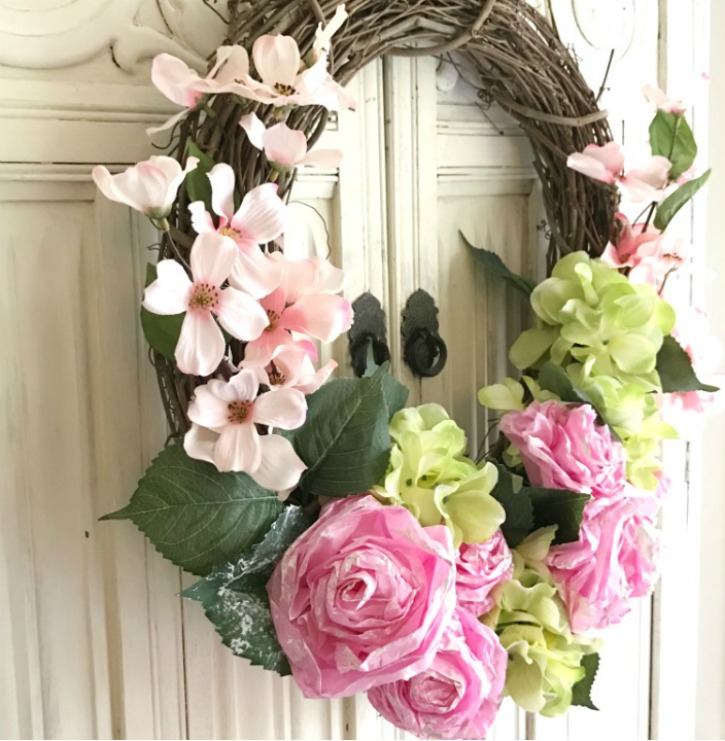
[368,600]
[615,558]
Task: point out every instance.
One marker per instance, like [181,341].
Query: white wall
[710,630]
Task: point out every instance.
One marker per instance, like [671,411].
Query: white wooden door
[94,641]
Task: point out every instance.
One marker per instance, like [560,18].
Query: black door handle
[424,351]
[367,338]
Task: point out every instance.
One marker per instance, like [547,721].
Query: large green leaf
[161,332]
[496,267]
[582,690]
[519,520]
[197,183]
[345,441]
[675,369]
[235,599]
[554,378]
[667,210]
[671,136]
[196,516]
[558,507]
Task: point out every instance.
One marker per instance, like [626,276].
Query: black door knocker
[423,349]
[367,338]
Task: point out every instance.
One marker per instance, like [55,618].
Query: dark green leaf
[161,332]
[582,690]
[675,369]
[671,136]
[345,441]
[554,378]
[496,267]
[197,183]
[235,599]
[558,507]
[670,206]
[196,516]
[395,393]
[519,520]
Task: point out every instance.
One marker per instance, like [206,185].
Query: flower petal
[326,159]
[321,316]
[245,385]
[317,379]
[255,129]
[280,468]
[201,220]
[590,167]
[238,449]
[276,59]
[232,63]
[284,146]
[201,345]
[262,216]
[175,80]
[168,294]
[241,315]
[207,409]
[212,258]
[221,177]
[199,443]
[283,408]
[254,272]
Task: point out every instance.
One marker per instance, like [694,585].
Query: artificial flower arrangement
[350,541]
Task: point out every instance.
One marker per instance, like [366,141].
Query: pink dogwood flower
[201,344]
[225,415]
[649,254]
[286,148]
[606,164]
[292,367]
[185,87]
[261,218]
[324,34]
[659,98]
[149,186]
[285,80]
[303,306]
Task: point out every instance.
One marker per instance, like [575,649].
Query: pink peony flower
[614,560]
[149,186]
[286,148]
[649,255]
[303,306]
[201,344]
[458,696]
[362,597]
[563,447]
[479,568]
[606,164]
[261,218]
[225,415]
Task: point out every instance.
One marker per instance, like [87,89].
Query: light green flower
[545,658]
[429,475]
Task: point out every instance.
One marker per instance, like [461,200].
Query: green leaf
[234,595]
[519,520]
[345,441]
[582,690]
[196,516]
[671,136]
[395,393]
[558,507]
[675,369]
[161,332]
[554,378]
[496,267]
[671,205]
[197,183]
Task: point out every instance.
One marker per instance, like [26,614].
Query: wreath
[338,535]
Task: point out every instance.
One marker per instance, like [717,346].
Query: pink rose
[362,598]
[563,447]
[614,560]
[458,696]
[479,568]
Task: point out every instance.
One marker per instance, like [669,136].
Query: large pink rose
[362,598]
[614,560]
[479,568]
[563,447]
[458,696]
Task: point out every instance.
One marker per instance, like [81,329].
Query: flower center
[283,89]
[227,231]
[204,297]
[274,318]
[238,412]
[276,377]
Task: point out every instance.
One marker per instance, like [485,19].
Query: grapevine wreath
[338,535]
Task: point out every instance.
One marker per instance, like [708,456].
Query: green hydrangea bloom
[545,658]
[429,475]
